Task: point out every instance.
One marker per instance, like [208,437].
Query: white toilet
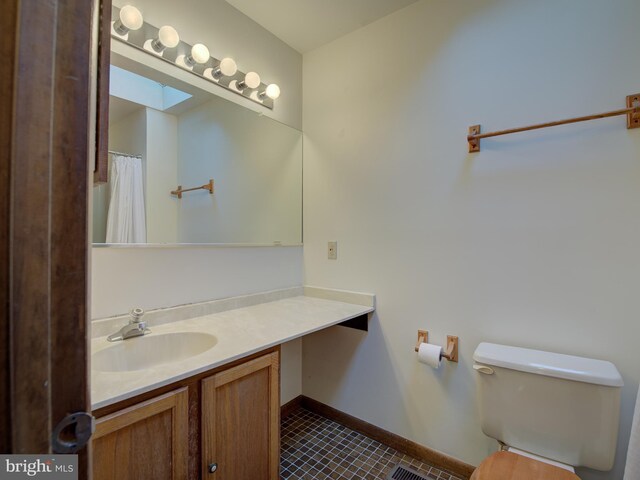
[551,412]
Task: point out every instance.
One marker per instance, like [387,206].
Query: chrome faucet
[135,328]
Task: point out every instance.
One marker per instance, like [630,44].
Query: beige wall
[532,242]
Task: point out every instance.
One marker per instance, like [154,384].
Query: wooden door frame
[45,124]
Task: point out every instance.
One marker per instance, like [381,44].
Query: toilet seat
[511,466]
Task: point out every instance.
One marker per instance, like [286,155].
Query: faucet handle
[136,314]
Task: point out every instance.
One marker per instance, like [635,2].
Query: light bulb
[130,19]
[272,91]
[228,67]
[199,53]
[251,80]
[167,38]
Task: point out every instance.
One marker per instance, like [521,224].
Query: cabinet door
[241,422]
[146,441]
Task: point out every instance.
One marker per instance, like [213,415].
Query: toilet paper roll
[430,354]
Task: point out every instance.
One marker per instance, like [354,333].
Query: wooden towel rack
[206,186]
[632,112]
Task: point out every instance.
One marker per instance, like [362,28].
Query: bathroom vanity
[211,410]
[223,421]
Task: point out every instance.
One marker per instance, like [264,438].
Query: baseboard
[408,447]
[290,407]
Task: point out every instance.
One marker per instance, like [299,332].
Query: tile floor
[316,448]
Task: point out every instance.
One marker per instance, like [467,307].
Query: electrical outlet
[333,251]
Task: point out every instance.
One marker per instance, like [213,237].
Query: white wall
[256,164]
[100,211]
[531,242]
[161,163]
[128,277]
[127,135]
[153,135]
[290,370]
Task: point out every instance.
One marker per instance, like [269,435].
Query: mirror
[166,134]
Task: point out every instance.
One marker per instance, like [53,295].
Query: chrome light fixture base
[178,55]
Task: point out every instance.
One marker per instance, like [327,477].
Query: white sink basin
[151,350]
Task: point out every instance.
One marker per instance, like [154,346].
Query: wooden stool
[510,466]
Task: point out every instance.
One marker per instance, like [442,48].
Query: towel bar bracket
[474,143]
[633,118]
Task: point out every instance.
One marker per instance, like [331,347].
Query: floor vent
[403,473]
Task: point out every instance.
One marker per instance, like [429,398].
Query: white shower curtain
[126,221]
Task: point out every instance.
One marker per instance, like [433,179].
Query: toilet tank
[560,407]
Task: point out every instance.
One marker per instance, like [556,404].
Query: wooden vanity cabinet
[223,424]
[147,440]
[241,422]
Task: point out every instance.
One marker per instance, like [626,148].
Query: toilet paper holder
[450,353]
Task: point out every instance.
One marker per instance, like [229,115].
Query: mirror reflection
[186,166]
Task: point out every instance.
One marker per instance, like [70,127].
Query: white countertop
[239,332]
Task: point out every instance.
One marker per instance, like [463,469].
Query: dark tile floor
[316,448]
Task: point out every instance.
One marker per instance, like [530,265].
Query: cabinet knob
[213,467]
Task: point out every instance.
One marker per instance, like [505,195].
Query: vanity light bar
[165,43]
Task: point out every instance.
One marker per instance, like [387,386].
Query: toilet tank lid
[580,369]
